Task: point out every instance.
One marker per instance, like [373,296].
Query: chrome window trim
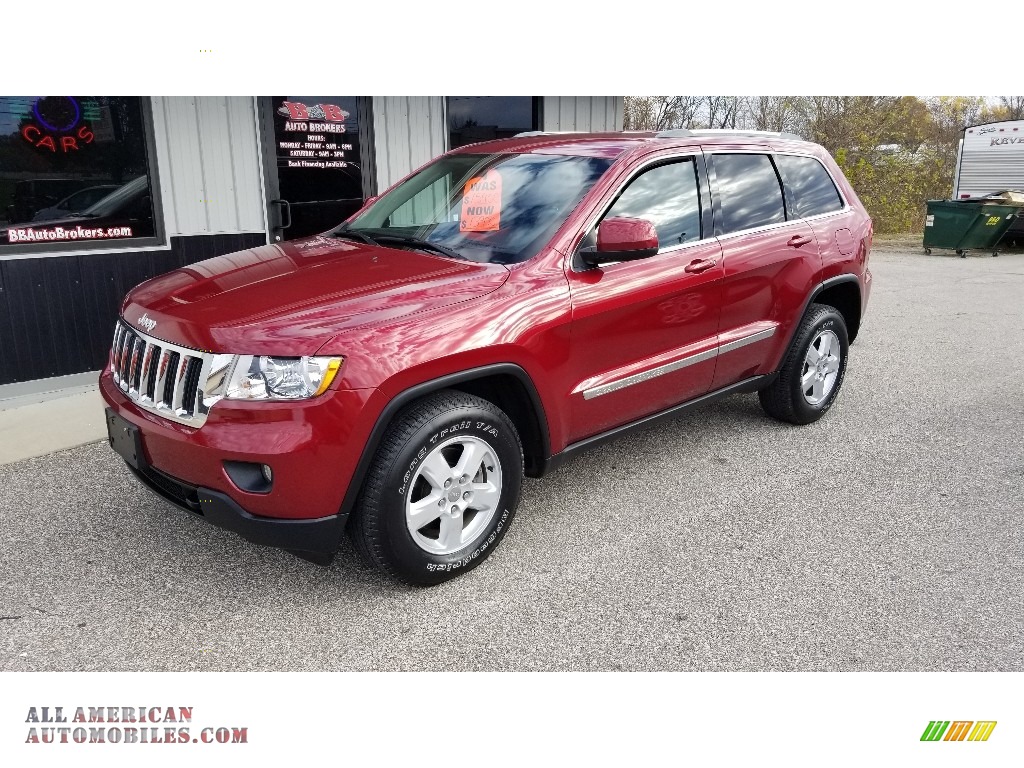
[676,365]
[758,230]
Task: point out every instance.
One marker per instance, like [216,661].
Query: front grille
[163,378]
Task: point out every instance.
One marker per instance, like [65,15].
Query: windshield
[487,208]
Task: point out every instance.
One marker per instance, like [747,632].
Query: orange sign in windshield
[481,204]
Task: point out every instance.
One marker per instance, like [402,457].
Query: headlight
[250,377]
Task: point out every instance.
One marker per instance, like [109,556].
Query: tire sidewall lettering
[476,553]
[439,436]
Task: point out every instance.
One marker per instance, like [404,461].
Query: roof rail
[739,132]
[540,133]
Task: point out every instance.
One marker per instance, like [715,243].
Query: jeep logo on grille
[146,322]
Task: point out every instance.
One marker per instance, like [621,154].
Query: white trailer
[990,159]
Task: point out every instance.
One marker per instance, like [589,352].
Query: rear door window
[809,185]
[749,190]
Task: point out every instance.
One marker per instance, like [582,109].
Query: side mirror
[622,239]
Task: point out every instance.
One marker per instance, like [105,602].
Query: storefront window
[74,172]
[483,118]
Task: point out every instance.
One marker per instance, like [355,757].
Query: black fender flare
[818,290]
[425,388]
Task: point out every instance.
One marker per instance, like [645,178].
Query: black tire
[927,251]
[784,398]
[379,527]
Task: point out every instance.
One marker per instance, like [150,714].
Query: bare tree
[656,113]
[680,111]
[637,113]
[722,111]
[770,113]
[1014,106]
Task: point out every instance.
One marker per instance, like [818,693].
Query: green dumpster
[961,225]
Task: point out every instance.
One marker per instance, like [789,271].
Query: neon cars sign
[57,123]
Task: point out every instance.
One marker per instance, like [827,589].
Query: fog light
[250,476]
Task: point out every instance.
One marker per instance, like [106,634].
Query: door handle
[700,265]
[286,210]
[797,240]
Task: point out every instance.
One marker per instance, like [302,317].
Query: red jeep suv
[507,305]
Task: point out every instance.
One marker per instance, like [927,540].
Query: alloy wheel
[821,367]
[453,495]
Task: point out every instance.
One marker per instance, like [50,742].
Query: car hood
[291,298]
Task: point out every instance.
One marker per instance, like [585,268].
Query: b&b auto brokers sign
[315,135]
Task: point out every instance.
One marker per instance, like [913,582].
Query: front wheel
[813,369]
[442,489]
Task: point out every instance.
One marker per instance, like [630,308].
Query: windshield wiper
[354,234]
[426,245]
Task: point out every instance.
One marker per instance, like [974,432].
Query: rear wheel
[813,370]
[442,489]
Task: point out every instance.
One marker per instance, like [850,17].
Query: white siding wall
[582,113]
[408,131]
[209,164]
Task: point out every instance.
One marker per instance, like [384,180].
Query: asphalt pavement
[887,536]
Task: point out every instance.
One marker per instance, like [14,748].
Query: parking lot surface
[887,536]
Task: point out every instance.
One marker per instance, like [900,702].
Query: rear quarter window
[809,185]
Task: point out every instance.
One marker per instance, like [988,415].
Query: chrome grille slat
[122,360]
[159,376]
[118,330]
[149,374]
[188,398]
[167,392]
[179,386]
[138,346]
[122,354]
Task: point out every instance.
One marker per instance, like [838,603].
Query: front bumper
[315,540]
[312,447]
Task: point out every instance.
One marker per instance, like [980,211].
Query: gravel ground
[885,537]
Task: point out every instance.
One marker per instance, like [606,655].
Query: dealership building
[98,193]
